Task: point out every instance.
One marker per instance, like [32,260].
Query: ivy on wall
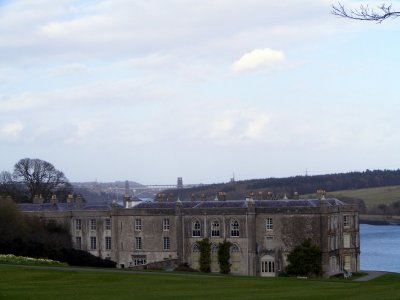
[224,256]
[205,255]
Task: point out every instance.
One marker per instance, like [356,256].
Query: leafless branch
[365,13]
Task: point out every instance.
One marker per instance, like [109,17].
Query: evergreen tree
[305,260]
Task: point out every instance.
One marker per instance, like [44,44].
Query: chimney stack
[78,201]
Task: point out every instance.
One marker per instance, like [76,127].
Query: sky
[154,90]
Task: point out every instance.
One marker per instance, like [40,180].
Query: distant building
[179,184]
[262,232]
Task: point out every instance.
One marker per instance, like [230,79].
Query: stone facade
[262,232]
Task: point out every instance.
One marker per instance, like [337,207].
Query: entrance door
[267,266]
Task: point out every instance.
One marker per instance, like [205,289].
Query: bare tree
[9,187]
[365,13]
[40,177]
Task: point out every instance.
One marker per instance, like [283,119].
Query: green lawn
[18,282]
[372,196]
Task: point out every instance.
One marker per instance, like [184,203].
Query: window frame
[93,224]
[138,243]
[196,228]
[107,224]
[139,261]
[108,242]
[234,248]
[166,243]
[215,228]
[269,223]
[166,224]
[138,225]
[93,243]
[346,221]
[78,224]
[235,228]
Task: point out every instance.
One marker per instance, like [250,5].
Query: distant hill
[303,185]
[372,197]
[102,192]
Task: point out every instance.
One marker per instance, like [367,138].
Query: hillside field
[18,282]
[371,196]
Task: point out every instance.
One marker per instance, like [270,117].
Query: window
[214,248]
[93,224]
[138,224]
[108,224]
[346,240]
[234,228]
[196,228]
[138,243]
[78,224]
[215,228]
[139,261]
[78,242]
[195,248]
[166,243]
[165,225]
[235,248]
[267,266]
[93,243]
[108,242]
[269,225]
[346,221]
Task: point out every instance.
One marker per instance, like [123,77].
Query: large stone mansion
[262,232]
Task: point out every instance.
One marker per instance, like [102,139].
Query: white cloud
[12,130]
[238,126]
[258,59]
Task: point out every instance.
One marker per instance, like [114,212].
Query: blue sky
[152,90]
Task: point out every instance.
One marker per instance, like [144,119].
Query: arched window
[196,228]
[214,248]
[215,228]
[235,248]
[234,228]
[195,248]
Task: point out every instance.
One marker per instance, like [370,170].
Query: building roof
[241,203]
[284,203]
[27,207]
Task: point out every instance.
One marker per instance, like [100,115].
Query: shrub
[305,260]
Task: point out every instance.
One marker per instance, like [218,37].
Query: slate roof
[30,207]
[239,204]
[284,203]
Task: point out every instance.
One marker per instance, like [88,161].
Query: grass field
[17,282]
[373,196]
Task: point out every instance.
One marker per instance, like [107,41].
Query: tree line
[276,188]
[32,236]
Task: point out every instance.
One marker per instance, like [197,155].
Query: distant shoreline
[379,220]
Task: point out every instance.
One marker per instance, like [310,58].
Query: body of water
[380,247]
